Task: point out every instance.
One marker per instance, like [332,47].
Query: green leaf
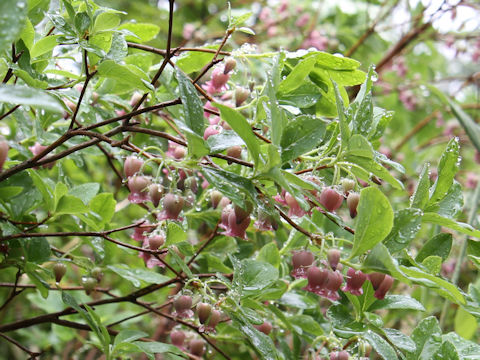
[85,192]
[401,341]
[451,224]
[241,126]
[371,166]
[69,204]
[275,115]
[359,146]
[432,264]
[305,96]
[192,105]
[44,45]
[344,129]
[427,339]
[60,190]
[226,139]
[159,348]
[269,254]
[175,234]
[136,275]
[374,220]
[301,135]
[106,21]
[103,205]
[381,346]
[7,192]
[465,324]
[298,301]
[43,188]
[128,336]
[37,250]
[447,168]
[471,127]
[307,324]
[397,302]
[24,95]
[451,204]
[446,289]
[257,275]
[123,74]
[225,181]
[261,342]
[406,224]
[82,22]
[446,352]
[12,20]
[33,274]
[466,349]
[297,76]
[421,195]
[192,61]
[144,32]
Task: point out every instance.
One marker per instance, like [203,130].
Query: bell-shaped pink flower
[132,165]
[383,288]
[301,261]
[138,186]
[334,282]
[330,199]
[294,208]
[355,280]
[317,279]
[172,206]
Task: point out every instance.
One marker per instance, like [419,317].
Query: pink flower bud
[241,94]
[334,282]
[211,130]
[330,199]
[182,305]
[132,165]
[177,338]
[219,78]
[172,206]
[339,355]
[333,256]
[230,64]
[155,192]
[196,347]
[214,320]
[3,152]
[265,328]
[38,149]
[155,241]
[294,206]
[215,197]
[235,152]
[376,279]
[352,203]
[204,311]
[382,289]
